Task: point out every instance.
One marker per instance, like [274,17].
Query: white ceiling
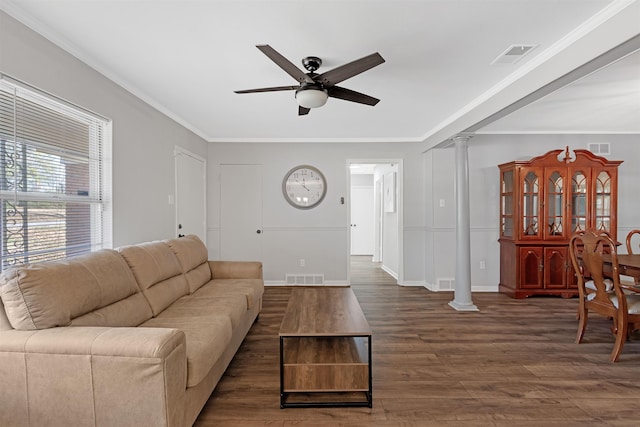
[606,101]
[187,57]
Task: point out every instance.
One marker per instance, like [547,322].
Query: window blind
[54,180]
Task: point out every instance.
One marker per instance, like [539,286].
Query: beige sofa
[137,336]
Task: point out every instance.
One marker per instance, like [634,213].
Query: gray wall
[324,229]
[143,138]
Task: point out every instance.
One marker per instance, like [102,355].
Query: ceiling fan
[314,89]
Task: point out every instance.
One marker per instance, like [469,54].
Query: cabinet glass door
[603,202]
[578,202]
[530,204]
[555,204]
[506,205]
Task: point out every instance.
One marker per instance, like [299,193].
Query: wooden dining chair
[630,238]
[608,297]
[633,239]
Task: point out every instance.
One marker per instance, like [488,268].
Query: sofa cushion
[158,273]
[251,289]
[233,306]
[45,295]
[131,311]
[207,337]
[192,255]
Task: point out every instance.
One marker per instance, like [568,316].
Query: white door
[241,212]
[191,195]
[362,221]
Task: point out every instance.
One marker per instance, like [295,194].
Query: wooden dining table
[629,265]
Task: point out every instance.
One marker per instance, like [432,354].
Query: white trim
[556,132]
[326,283]
[77,109]
[335,140]
[412,283]
[484,288]
[399,211]
[474,288]
[275,283]
[180,150]
[107,186]
[96,155]
[390,272]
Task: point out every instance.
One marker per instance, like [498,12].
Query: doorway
[191,194]
[362,215]
[375,214]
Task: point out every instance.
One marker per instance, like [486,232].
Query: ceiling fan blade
[284,63]
[267,89]
[351,95]
[343,72]
[302,111]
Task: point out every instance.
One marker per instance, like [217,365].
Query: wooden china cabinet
[543,201]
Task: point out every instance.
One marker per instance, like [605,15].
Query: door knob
[258,231]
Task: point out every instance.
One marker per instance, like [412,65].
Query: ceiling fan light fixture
[314,89]
[311,96]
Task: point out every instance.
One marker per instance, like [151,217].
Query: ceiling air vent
[514,53]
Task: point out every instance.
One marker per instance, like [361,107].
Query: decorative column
[462,294]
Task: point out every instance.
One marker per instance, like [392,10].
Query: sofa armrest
[93,375]
[236,269]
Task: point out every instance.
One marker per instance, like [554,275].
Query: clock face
[304,187]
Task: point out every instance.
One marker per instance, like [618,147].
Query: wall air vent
[514,53]
[445,284]
[600,148]
[304,279]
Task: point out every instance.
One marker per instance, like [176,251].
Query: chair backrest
[588,250]
[630,238]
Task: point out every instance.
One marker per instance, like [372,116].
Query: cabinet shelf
[325,364]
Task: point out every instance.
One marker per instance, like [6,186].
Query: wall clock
[304,187]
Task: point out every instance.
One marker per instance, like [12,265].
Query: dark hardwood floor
[513,363]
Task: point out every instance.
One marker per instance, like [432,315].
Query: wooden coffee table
[325,350]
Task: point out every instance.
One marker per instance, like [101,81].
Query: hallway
[363,271]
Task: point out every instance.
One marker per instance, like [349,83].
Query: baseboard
[275,283]
[479,288]
[390,272]
[485,288]
[431,287]
[412,283]
[326,283]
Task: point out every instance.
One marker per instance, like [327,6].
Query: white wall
[143,138]
[318,235]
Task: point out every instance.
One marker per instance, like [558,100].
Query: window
[55,182]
